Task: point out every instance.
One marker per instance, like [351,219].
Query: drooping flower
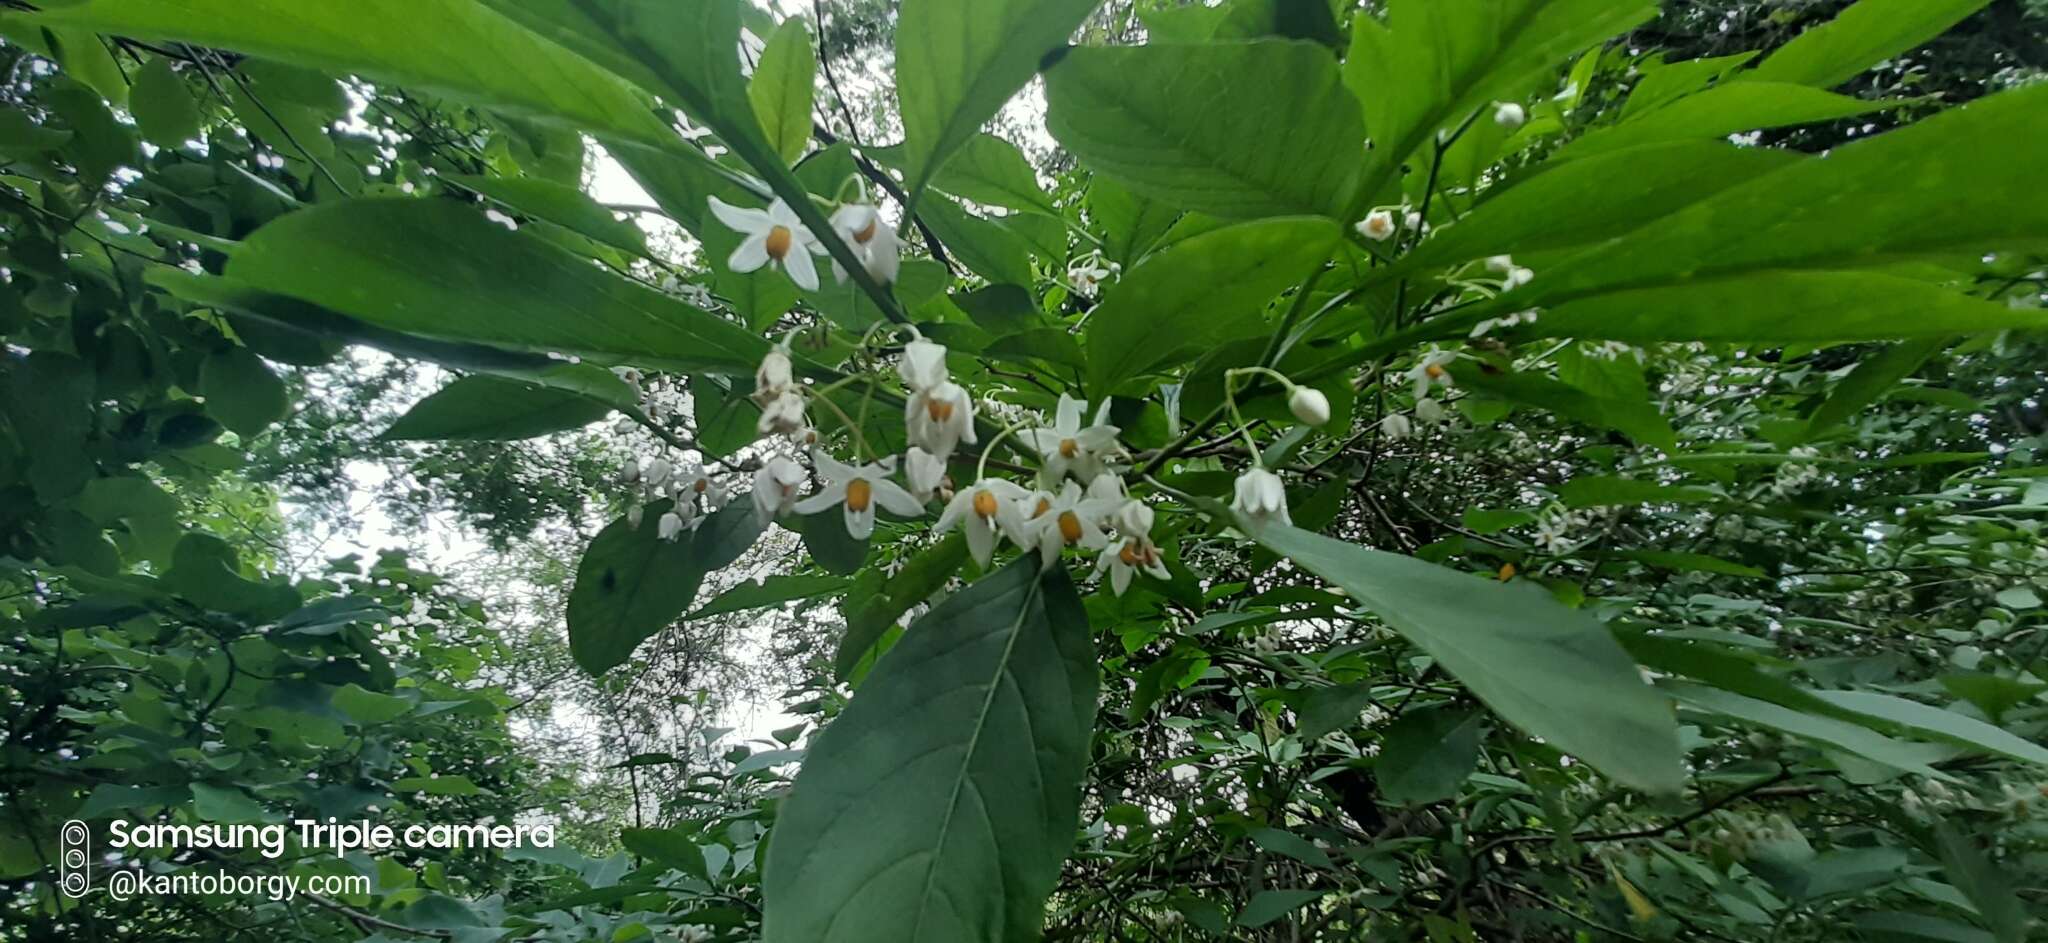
[783,414]
[923,365]
[1131,556]
[1067,446]
[1309,405]
[988,511]
[1087,273]
[670,525]
[1261,496]
[865,232]
[1429,411]
[859,488]
[775,487]
[923,471]
[939,418]
[1430,370]
[656,473]
[774,236]
[1396,426]
[1377,225]
[1067,519]
[1509,115]
[774,377]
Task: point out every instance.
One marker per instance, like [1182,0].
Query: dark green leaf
[1427,754]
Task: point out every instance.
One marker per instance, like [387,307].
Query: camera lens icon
[74,849]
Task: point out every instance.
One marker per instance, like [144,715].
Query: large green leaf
[1234,129]
[1933,722]
[957,63]
[1860,37]
[560,204]
[1870,380]
[461,49]
[631,583]
[441,270]
[486,407]
[1781,306]
[1198,291]
[1435,63]
[1723,110]
[939,806]
[162,106]
[1552,671]
[781,89]
[990,170]
[1842,735]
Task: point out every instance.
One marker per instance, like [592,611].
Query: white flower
[1415,222]
[1309,405]
[656,473]
[989,510]
[923,365]
[634,515]
[1429,411]
[775,486]
[924,471]
[871,240]
[1261,497]
[1133,555]
[1509,115]
[1396,426]
[669,526]
[1068,447]
[1431,370]
[1500,264]
[1553,533]
[940,417]
[1133,518]
[773,377]
[1087,273]
[859,488]
[1505,321]
[783,414]
[1068,519]
[692,933]
[774,236]
[1516,278]
[1377,225]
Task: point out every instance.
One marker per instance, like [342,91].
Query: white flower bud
[1309,405]
[1509,115]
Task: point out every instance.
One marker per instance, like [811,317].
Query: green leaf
[989,250]
[871,613]
[438,785]
[1720,111]
[1292,845]
[1330,708]
[560,204]
[1988,887]
[631,584]
[1593,491]
[241,391]
[1861,36]
[776,589]
[1182,123]
[162,106]
[489,408]
[1435,63]
[991,171]
[1839,734]
[832,548]
[1131,223]
[1636,416]
[940,804]
[442,271]
[665,846]
[1992,694]
[367,707]
[1554,672]
[1935,723]
[1677,560]
[464,50]
[1870,380]
[1184,299]
[224,804]
[1427,754]
[1268,906]
[781,89]
[1670,81]
[957,63]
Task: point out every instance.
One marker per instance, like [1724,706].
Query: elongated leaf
[1268,906]
[495,409]
[1862,36]
[1204,289]
[1185,124]
[990,170]
[1870,380]
[1554,672]
[631,584]
[780,588]
[440,270]
[460,49]
[957,63]
[1636,416]
[1987,887]
[1606,490]
[1723,110]
[873,608]
[781,89]
[1839,734]
[559,204]
[1436,62]
[1930,721]
[938,807]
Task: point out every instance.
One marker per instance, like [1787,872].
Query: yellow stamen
[779,241]
[866,234]
[1069,448]
[1070,526]
[1507,572]
[1131,554]
[858,494]
[1043,506]
[940,410]
[1434,372]
[701,485]
[984,503]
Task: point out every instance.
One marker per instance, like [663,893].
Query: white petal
[750,256]
[1120,577]
[826,497]
[1068,419]
[860,524]
[802,270]
[981,540]
[740,218]
[955,510]
[892,496]
[833,469]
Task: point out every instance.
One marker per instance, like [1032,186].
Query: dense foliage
[1433,469]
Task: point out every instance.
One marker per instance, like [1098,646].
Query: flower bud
[1309,405]
[1509,115]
